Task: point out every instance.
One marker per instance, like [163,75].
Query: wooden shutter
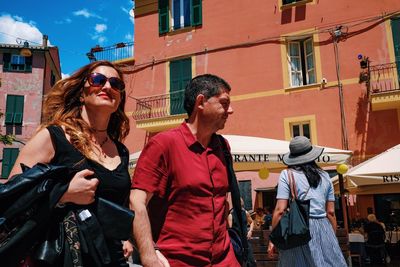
[19,109]
[28,64]
[9,157]
[309,61]
[395,23]
[295,70]
[196,11]
[163,17]
[10,108]
[6,61]
[180,75]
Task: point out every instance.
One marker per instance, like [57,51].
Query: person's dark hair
[208,85]
[312,171]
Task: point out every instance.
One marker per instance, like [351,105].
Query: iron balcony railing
[159,106]
[115,52]
[385,77]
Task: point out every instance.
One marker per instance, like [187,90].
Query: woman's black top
[114,185]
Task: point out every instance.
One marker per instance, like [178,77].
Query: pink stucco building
[24,80]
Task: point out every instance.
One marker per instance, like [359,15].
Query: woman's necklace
[101,144]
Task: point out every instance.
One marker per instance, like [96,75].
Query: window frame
[294,3]
[167,15]
[302,57]
[309,119]
[301,125]
[10,66]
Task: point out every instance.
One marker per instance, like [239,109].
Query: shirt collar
[191,140]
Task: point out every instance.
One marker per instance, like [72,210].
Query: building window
[9,157]
[185,13]
[180,75]
[14,110]
[293,2]
[52,79]
[286,2]
[245,193]
[301,129]
[16,63]
[301,62]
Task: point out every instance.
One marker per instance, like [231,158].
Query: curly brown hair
[62,106]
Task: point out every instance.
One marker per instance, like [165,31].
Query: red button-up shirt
[187,211]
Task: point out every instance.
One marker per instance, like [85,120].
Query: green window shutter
[163,17]
[28,64]
[196,18]
[10,108]
[395,23]
[6,61]
[180,75]
[19,109]
[186,72]
[9,157]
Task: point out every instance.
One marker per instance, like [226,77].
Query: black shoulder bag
[238,238]
[292,230]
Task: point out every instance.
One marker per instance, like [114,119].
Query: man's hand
[271,251]
[162,259]
[127,248]
[249,234]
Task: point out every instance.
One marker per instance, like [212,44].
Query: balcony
[160,112]
[118,52]
[384,86]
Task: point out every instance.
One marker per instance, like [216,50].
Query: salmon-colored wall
[243,42]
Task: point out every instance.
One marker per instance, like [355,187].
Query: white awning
[380,174]
[253,153]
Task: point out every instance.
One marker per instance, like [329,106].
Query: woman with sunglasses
[84,125]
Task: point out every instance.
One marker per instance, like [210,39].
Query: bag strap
[235,193]
[292,184]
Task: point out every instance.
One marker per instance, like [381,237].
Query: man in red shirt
[182,179]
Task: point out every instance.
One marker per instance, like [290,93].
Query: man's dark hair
[208,85]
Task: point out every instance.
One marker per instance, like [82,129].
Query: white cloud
[64,21]
[17,18]
[125,10]
[100,28]
[64,75]
[87,14]
[129,37]
[84,13]
[14,27]
[101,39]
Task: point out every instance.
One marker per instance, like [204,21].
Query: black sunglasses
[99,80]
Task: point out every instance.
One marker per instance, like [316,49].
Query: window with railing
[180,75]
[16,63]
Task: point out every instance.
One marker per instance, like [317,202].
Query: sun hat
[301,151]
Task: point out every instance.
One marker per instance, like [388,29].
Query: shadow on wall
[376,130]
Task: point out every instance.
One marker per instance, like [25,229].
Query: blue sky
[73,26]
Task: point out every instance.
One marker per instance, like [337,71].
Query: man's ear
[200,99]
